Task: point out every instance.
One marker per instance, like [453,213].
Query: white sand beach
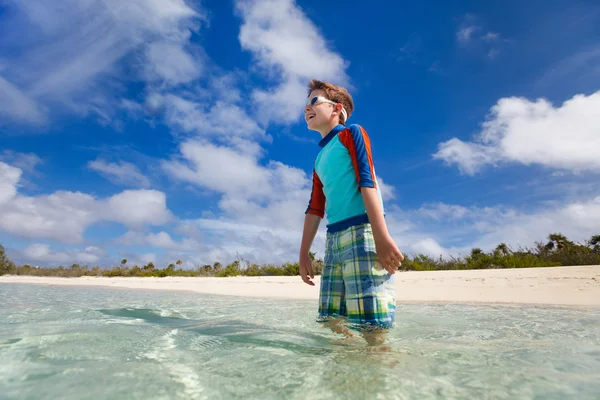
[554,286]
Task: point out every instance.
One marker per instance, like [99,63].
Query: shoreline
[572,286]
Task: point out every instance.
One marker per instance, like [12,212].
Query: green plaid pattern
[353,282]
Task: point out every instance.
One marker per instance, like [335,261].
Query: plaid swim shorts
[353,282]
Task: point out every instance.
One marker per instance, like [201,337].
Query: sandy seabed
[557,285]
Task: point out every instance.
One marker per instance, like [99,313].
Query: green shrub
[6,265]
[557,251]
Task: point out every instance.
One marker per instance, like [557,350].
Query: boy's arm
[388,253]
[359,146]
[314,214]
[311,226]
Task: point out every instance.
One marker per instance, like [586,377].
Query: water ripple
[102,343]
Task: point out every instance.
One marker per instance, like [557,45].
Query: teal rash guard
[343,166]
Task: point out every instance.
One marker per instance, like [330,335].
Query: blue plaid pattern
[353,282]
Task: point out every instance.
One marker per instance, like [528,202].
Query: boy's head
[327,106]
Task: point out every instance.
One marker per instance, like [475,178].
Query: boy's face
[318,117]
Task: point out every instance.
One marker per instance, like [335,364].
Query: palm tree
[149,266]
[476,252]
[179,262]
[124,261]
[501,249]
[558,241]
[6,265]
[595,242]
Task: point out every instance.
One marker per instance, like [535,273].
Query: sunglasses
[320,99]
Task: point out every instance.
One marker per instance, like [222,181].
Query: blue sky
[165,130]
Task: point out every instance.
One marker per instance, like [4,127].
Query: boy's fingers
[389,266]
[310,271]
[305,277]
[397,255]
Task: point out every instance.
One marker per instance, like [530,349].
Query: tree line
[557,250]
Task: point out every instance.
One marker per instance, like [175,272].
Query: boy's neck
[325,130]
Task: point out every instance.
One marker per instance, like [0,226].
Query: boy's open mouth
[310,117]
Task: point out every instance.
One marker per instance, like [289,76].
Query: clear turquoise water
[92,343]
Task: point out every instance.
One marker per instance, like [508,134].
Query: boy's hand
[388,253]
[306,270]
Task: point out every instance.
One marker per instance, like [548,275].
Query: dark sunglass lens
[313,101]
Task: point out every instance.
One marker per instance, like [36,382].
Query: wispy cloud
[491,37]
[471,32]
[581,69]
[217,120]
[410,49]
[70,49]
[489,226]
[78,57]
[465,33]
[16,105]
[160,240]
[44,254]
[27,162]
[289,49]
[120,173]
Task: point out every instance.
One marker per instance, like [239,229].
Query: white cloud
[491,37]
[261,207]
[283,103]
[170,63]
[71,54]
[136,208]
[452,212]
[27,162]
[443,211]
[520,131]
[289,49]
[427,246]
[218,168]
[121,173]
[64,216]
[9,177]
[219,119]
[472,35]
[17,105]
[489,226]
[465,33]
[264,239]
[43,253]
[161,240]
[577,220]
[578,71]
[388,192]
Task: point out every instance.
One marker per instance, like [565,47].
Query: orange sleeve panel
[356,140]
[316,205]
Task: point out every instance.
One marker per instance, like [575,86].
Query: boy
[357,282]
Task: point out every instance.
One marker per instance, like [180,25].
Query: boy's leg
[370,289]
[332,302]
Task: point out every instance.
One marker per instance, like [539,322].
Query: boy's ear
[338,108]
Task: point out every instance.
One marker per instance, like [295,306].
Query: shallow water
[93,343]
